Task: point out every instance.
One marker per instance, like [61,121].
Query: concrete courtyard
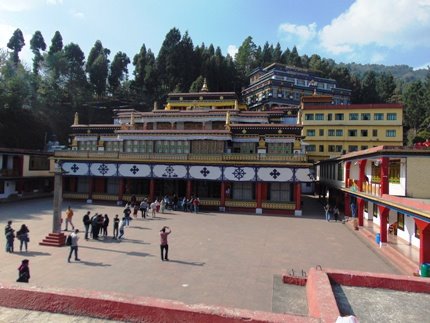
[215,258]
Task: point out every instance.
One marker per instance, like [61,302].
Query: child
[23,272]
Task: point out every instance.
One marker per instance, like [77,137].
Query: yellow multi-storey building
[330,130]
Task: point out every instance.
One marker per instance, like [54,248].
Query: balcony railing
[179,157]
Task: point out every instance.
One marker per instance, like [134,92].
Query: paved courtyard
[215,258]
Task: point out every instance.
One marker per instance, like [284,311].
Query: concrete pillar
[383,213]
[384,175]
[424,228]
[189,189]
[298,199]
[152,189]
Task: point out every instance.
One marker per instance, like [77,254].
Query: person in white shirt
[121,228]
[74,245]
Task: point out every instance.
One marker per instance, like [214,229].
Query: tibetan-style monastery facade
[201,144]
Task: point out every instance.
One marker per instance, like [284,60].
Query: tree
[37,43]
[368,88]
[117,70]
[266,55]
[385,87]
[416,111]
[294,58]
[98,67]
[277,54]
[16,43]
[169,61]
[56,43]
[75,83]
[246,58]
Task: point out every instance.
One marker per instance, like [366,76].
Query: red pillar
[361,173]
[152,189]
[384,175]
[298,195]
[360,211]
[347,206]
[259,197]
[90,188]
[347,173]
[383,214]
[424,228]
[222,199]
[189,189]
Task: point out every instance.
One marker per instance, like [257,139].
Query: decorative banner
[134,170]
[304,175]
[103,169]
[205,172]
[77,169]
[242,174]
[170,171]
[274,174]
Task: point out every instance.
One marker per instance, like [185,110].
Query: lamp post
[56,238]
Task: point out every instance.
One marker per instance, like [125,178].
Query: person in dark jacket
[87,222]
[22,236]
[105,225]
[24,272]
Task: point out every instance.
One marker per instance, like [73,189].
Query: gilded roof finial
[227,120]
[205,86]
[261,143]
[132,118]
[76,121]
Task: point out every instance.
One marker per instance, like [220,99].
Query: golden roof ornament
[76,121]
[297,144]
[205,86]
[261,143]
[227,120]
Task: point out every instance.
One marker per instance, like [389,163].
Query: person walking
[115,226]
[164,232]
[153,209]
[327,212]
[105,225]
[143,208]
[196,204]
[95,226]
[86,220]
[22,236]
[127,213]
[7,230]
[122,224]
[74,245]
[24,272]
[69,216]
[336,213]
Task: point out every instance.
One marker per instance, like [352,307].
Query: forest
[37,102]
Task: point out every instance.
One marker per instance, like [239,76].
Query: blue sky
[388,32]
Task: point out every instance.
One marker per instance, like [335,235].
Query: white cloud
[376,58]
[18,5]
[425,66]
[299,35]
[232,50]
[54,2]
[391,24]
[77,14]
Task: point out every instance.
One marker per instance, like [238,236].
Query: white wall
[408,234]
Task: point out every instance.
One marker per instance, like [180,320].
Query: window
[319,116]
[378,116]
[365,116]
[364,147]
[309,116]
[338,148]
[364,133]
[331,148]
[39,163]
[417,231]
[391,116]
[321,132]
[352,133]
[376,173]
[353,116]
[352,148]
[331,132]
[400,221]
[394,172]
[390,133]
[310,132]
[340,172]
[339,132]
[310,148]
[321,148]
[329,117]
[375,133]
[375,210]
[338,116]
[279,192]
[242,191]
[366,206]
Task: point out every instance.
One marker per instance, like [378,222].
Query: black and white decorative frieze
[304,175]
[274,174]
[103,169]
[74,168]
[170,171]
[205,172]
[134,170]
[239,173]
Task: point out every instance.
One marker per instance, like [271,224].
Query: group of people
[331,212]
[22,235]
[95,225]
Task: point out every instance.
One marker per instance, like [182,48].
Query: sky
[389,32]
